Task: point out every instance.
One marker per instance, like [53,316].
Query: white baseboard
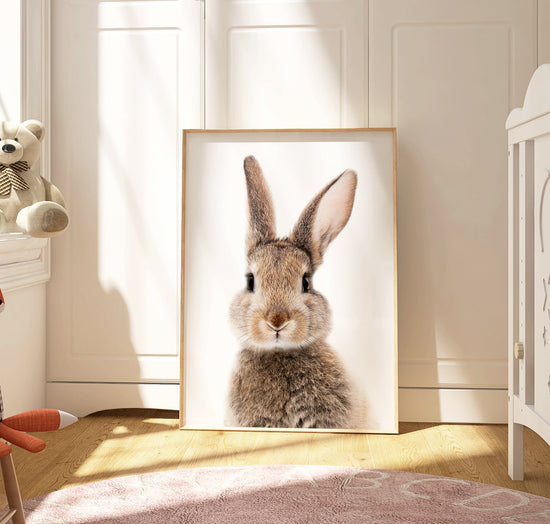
[453,373]
[473,406]
[83,398]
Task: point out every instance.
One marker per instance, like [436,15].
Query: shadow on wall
[89,320]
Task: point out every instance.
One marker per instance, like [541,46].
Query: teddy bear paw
[43,219]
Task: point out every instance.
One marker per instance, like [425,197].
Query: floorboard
[128,442]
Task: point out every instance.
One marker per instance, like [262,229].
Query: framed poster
[289,314]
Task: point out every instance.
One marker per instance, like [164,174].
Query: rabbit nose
[277,321]
[8,148]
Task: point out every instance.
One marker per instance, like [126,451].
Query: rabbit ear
[325,216]
[261,215]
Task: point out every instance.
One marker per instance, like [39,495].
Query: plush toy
[13,429]
[28,202]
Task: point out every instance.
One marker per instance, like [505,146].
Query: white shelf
[24,261]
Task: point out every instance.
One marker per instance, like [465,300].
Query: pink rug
[286,495]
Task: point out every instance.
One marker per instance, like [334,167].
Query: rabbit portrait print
[288,319]
[287,376]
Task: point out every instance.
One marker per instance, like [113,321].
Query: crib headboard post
[529,268]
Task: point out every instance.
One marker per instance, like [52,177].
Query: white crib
[529,268]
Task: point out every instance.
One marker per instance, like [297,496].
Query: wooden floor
[127,442]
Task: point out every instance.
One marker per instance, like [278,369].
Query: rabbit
[286,375]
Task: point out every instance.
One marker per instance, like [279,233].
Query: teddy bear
[29,203]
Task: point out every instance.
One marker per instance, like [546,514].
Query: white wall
[122,92]
[23,322]
[10,65]
[543,33]
[15,327]
[23,349]
[445,74]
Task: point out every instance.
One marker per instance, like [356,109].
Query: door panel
[120,97]
[285,64]
[446,74]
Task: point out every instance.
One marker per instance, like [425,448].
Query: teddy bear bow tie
[10,177]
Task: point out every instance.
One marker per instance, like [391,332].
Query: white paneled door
[127,76]
[446,74]
[285,64]
[125,81]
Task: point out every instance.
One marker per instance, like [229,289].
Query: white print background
[357,276]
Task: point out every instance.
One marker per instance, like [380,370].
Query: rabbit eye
[16,139]
[250,282]
[305,283]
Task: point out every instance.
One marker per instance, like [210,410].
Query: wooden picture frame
[358,275]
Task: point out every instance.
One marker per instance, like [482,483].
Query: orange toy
[13,429]
[5,450]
